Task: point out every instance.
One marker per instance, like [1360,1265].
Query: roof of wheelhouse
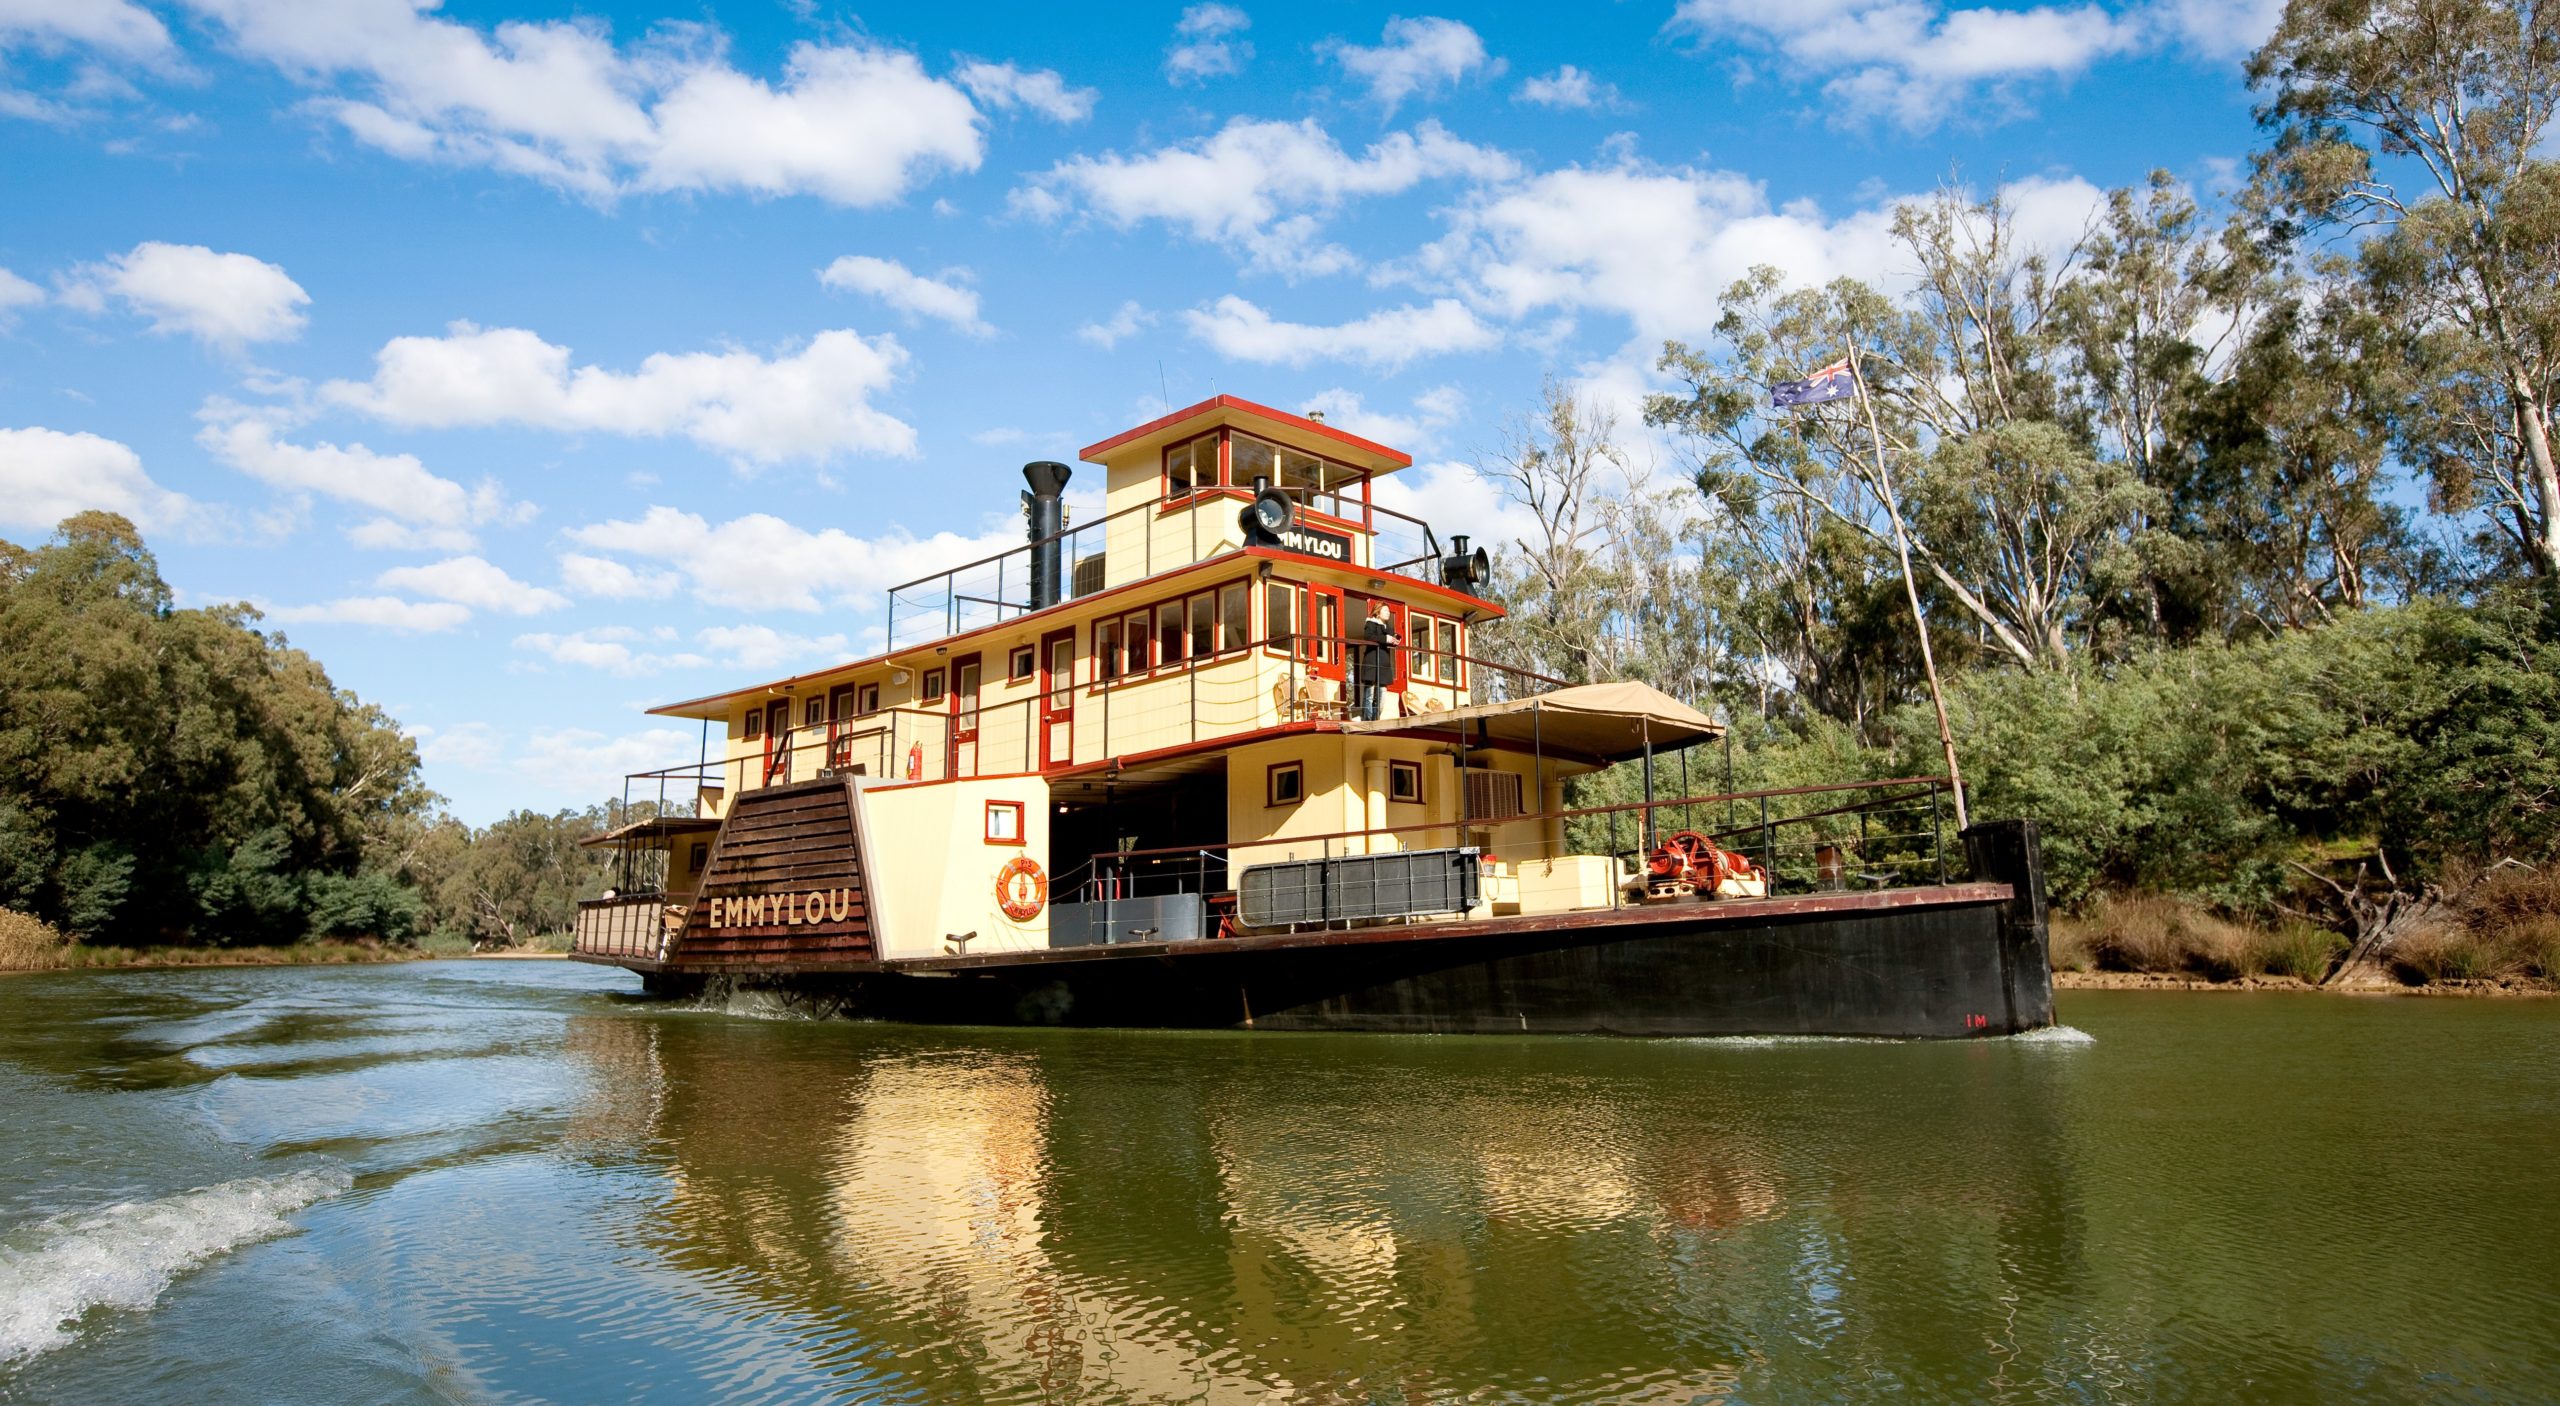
[1364,454]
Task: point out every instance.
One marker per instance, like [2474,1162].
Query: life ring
[915,762]
[1021,889]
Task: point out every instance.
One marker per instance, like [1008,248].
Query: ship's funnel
[1047,517]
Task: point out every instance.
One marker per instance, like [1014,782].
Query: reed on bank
[2503,929]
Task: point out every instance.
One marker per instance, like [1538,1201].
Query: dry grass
[2506,928]
[300,954]
[2154,933]
[29,943]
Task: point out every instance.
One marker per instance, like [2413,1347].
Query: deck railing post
[1768,847]
[1937,837]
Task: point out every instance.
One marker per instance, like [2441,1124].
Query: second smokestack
[1047,516]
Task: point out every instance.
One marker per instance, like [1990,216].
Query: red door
[839,726]
[777,739]
[1057,698]
[964,717]
[1324,632]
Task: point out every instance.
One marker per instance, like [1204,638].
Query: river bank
[27,945]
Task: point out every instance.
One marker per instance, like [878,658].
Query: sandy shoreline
[2170,981]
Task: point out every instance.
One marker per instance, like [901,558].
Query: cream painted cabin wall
[934,874]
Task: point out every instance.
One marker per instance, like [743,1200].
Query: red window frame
[995,808]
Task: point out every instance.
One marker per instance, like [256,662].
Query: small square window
[1020,663]
[1285,784]
[1004,822]
[701,854]
[932,685]
[1404,782]
[755,725]
[868,700]
[815,713]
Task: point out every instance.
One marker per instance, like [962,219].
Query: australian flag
[1833,382]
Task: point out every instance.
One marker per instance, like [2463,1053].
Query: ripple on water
[123,1256]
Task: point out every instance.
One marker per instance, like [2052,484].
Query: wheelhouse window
[1251,459]
[1191,464]
[1447,633]
[1169,633]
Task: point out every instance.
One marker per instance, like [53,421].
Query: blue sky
[531,364]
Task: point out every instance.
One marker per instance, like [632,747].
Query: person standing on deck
[1377,665]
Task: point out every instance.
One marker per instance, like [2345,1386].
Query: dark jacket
[1378,656]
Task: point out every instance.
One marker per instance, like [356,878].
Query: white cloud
[812,404]
[395,485]
[378,612]
[1001,85]
[227,300]
[48,475]
[114,26]
[1916,62]
[1454,498]
[384,534]
[1122,325]
[16,292]
[2218,29]
[910,293]
[558,101]
[473,582]
[1258,188]
[1205,46]
[1433,410]
[762,562]
[579,765]
[764,647]
[609,649]
[1384,340]
[1569,88]
[475,746]
[1414,58]
[601,578]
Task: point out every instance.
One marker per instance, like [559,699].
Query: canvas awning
[1605,722]
[654,829]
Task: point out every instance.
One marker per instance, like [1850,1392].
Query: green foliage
[367,903]
[174,775]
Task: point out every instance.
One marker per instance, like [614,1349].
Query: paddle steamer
[1124,775]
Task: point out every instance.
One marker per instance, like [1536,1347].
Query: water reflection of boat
[1155,1217]
[1228,756]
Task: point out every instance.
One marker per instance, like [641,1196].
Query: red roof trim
[1092,452]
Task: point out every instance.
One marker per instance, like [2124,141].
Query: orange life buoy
[915,762]
[1021,889]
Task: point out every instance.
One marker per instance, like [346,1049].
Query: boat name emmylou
[1228,755]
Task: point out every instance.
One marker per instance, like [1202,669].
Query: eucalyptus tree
[2421,125]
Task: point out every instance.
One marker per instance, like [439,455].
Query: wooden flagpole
[1910,587]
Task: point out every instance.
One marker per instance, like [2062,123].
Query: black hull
[1952,962]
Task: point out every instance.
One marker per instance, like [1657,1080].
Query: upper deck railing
[1277,681]
[992,590]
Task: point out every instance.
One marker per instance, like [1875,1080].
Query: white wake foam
[2055,1035]
[125,1255]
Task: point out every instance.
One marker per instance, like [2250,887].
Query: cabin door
[1324,632]
[1057,699]
[965,676]
[840,726]
[777,738]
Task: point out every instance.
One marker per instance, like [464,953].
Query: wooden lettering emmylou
[790,910]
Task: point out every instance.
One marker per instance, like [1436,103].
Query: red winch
[1690,863]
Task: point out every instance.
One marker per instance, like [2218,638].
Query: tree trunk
[2542,544]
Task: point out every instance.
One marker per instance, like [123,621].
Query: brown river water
[514,1181]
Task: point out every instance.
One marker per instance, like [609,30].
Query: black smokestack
[1048,518]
